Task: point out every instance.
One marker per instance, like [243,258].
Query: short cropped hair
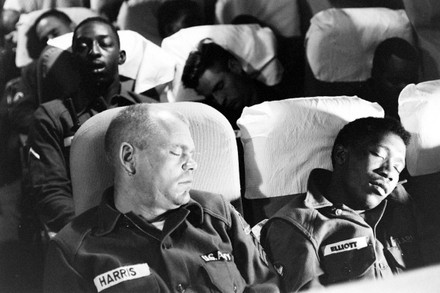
[393,47]
[137,125]
[208,55]
[172,11]
[366,130]
[96,19]
[36,46]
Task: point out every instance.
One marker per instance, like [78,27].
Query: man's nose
[191,164]
[386,171]
[95,49]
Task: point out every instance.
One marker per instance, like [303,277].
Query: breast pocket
[345,261]
[225,276]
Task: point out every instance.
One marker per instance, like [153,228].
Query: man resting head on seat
[347,226]
[50,24]
[215,73]
[151,232]
[97,53]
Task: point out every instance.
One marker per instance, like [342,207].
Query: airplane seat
[216,155]
[419,105]
[147,66]
[57,76]
[281,16]
[22,58]
[340,45]
[254,47]
[284,140]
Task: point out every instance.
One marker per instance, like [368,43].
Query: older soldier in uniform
[346,226]
[152,233]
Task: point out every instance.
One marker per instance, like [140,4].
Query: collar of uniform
[318,181]
[124,98]
[196,211]
[108,214]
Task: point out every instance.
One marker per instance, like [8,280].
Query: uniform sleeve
[292,255]
[250,257]
[48,171]
[59,275]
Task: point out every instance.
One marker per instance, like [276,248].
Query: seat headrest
[284,140]
[57,76]
[254,46]
[146,63]
[419,108]
[281,15]
[340,43]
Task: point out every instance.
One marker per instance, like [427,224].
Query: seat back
[419,105]
[216,155]
[340,45]
[284,140]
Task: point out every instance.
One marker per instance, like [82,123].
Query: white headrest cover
[340,43]
[419,111]
[254,46]
[284,140]
[146,62]
[216,154]
[281,15]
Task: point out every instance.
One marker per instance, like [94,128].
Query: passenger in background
[215,73]
[347,226]
[48,25]
[96,49]
[395,65]
[151,232]
[174,15]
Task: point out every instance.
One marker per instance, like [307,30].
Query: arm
[59,275]
[292,255]
[250,257]
[48,168]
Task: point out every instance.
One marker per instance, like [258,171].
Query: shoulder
[213,204]
[53,109]
[296,214]
[70,238]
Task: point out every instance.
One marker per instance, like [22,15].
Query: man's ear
[122,57]
[340,154]
[234,66]
[127,158]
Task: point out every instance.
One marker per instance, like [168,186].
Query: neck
[90,91]
[335,192]
[127,199]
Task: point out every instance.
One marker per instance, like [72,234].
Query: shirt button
[235,288]
[338,212]
[180,288]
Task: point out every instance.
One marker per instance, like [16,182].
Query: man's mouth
[380,187]
[98,67]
